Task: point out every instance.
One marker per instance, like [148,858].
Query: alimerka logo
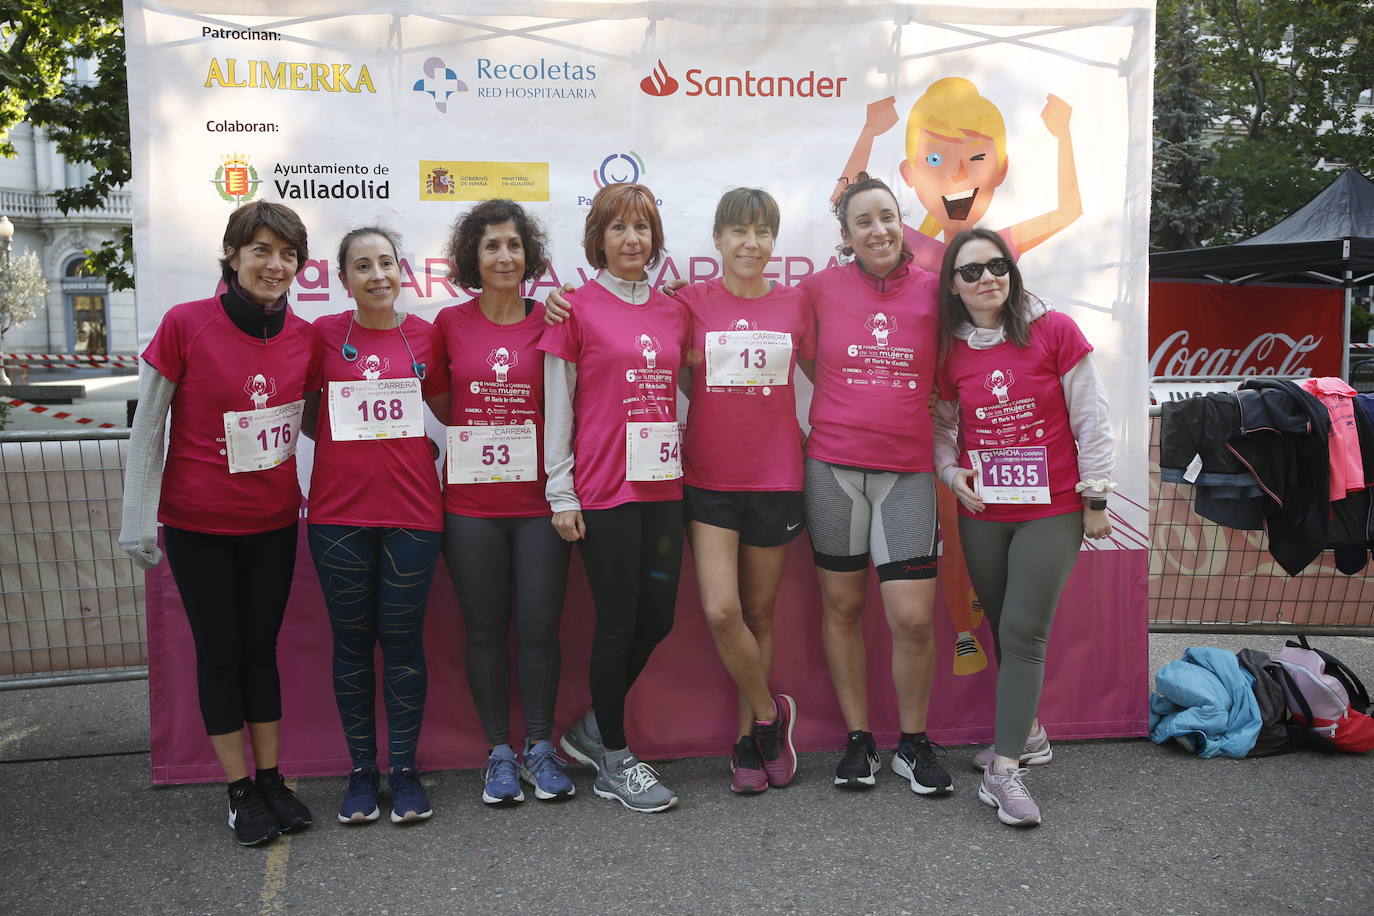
[659,82]
[748,84]
[236,180]
[232,73]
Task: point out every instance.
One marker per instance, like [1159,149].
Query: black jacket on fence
[1283,442]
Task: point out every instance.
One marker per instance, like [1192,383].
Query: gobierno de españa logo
[236,180]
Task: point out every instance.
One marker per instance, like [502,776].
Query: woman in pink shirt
[233,370]
[376,516]
[1024,441]
[743,468]
[614,468]
[870,490]
[506,559]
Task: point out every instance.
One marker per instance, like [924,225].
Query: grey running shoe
[635,785]
[584,747]
[1005,790]
[1035,752]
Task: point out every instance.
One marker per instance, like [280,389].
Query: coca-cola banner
[1200,329]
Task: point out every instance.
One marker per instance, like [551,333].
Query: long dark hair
[1016,312]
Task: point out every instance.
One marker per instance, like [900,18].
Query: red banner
[1213,329]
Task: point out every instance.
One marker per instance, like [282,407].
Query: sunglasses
[998,267]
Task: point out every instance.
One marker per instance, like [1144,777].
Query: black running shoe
[860,764]
[249,816]
[290,812]
[918,761]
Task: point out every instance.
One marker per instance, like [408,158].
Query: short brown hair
[469,228]
[245,222]
[746,207]
[612,201]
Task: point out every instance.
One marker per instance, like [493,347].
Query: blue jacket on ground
[1207,702]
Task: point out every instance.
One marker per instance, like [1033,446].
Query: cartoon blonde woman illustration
[373,366]
[998,382]
[501,361]
[956,159]
[260,389]
[879,325]
[648,348]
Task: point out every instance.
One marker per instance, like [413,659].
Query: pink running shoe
[775,743]
[747,768]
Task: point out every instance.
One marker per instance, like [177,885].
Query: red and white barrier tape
[55,414]
[70,357]
[112,364]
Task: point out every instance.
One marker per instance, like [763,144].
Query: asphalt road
[1129,827]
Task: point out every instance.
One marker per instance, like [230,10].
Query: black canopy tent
[1329,241]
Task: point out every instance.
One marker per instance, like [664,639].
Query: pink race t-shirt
[218,368]
[376,483]
[627,360]
[1347,466]
[496,374]
[875,366]
[1012,396]
[744,437]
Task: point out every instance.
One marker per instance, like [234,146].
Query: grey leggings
[1018,570]
[489,558]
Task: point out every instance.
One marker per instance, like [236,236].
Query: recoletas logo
[747,84]
[659,82]
[439,82]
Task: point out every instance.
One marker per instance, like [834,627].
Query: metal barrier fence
[1206,578]
[72,602]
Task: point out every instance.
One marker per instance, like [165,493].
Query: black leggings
[487,559]
[234,588]
[633,557]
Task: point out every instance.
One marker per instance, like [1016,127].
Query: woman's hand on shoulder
[556,308]
[672,286]
[962,487]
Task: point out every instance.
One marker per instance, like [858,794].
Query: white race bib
[1011,476]
[745,358]
[384,408]
[492,454]
[258,440]
[652,451]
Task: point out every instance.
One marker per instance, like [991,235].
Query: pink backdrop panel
[684,704]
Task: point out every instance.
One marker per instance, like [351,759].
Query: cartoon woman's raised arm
[1032,232]
[880,117]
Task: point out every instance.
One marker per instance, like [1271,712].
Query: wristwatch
[1097,503]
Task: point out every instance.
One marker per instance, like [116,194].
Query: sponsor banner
[1202,329]
[1177,391]
[999,113]
[454,181]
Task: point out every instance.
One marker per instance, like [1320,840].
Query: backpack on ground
[1277,729]
[1319,701]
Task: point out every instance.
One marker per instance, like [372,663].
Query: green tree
[1187,199]
[88,120]
[22,290]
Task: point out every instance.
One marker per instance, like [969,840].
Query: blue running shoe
[541,767]
[501,778]
[408,799]
[360,801]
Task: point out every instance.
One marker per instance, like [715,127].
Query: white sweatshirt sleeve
[945,415]
[143,472]
[1092,427]
[560,382]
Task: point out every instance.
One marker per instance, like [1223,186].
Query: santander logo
[659,83]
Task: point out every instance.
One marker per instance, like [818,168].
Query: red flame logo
[659,83]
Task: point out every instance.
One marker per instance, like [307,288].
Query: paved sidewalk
[106,401]
[1129,828]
